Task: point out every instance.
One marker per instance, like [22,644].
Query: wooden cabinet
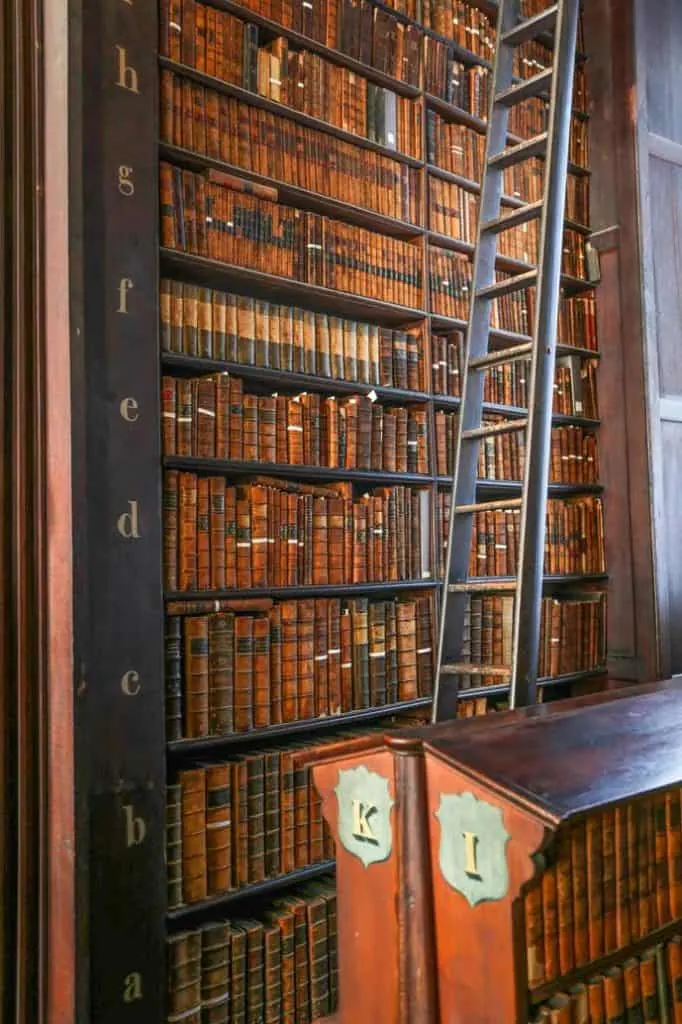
[527,866]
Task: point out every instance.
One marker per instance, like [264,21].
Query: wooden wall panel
[657,115]
[661,32]
[632,647]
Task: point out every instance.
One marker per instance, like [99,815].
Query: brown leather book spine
[534,932]
[217,533]
[580,894]
[633,991]
[230,537]
[290,661]
[674,850]
[184,418]
[272,997]
[674,969]
[183,963]
[170,529]
[301,814]
[595,877]
[642,811]
[243,672]
[240,825]
[243,545]
[633,871]
[221,673]
[623,930]
[203,534]
[215,971]
[649,983]
[285,920]
[550,923]
[187,546]
[238,975]
[168,414]
[662,894]
[271,789]
[194,882]
[318,956]
[196,662]
[261,672]
[255,770]
[306,662]
[218,828]
[564,877]
[595,999]
[609,885]
[174,867]
[276,665]
[287,815]
[614,996]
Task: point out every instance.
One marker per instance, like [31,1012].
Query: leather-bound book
[290,660]
[215,973]
[168,414]
[219,828]
[301,809]
[244,510]
[275,621]
[649,982]
[318,954]
[196,666]
[183,973]
[673,958]
[406,628]
[662,894]
[230,537]
[272,945]
[173,677]
[565,904]
[641,853]
[170,529]
[240,824]
[187,530]
[614,995]
[250,429]
[221,673]
[534,935]
[217,533]
[287,811]
[634,1010]
[595,887]
[255,773]
[243,672]
[321,657]
[174,845]
[238,974]
[609,883]
[261,671]
[377,653]
[624,932]
[272,779]
[194,879]
[284,917]
[203,534]
[361,673]
[236,419]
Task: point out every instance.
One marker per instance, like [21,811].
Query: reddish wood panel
[475,983]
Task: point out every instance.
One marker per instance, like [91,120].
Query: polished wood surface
[536,772]
[592,756]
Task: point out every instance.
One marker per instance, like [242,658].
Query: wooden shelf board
[206,744]
[228,276]
[312,590]
[232,467]
[284,378]
[226,901]
[300,198]
[499,689]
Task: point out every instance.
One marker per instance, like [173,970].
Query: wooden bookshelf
[133,234]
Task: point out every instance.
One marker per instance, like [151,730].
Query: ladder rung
[489,506]
[490,429]
[531,28]
[524,90]
[482,586]
[522,151]
[508,285]
[464,669]
[511,220]
[504,355]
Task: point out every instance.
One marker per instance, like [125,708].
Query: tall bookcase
[140,244]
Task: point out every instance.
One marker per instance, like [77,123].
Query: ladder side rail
[528,602]
[452,607]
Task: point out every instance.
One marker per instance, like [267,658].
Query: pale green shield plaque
[473,848]
[365,814]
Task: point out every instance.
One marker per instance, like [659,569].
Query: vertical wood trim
[60,938]
[651,369]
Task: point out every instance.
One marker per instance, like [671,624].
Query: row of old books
[362,30]
[614,878]
[576,328]
[647,987]
[574,539]
[220,127]
[237,823]
[203,217]
[235,328]
[572,636]
[465,24]
[462,85]
[297,660]
[315,86]
[211,417]
[278,965]
[453,211]
[273,533]
[574,452]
